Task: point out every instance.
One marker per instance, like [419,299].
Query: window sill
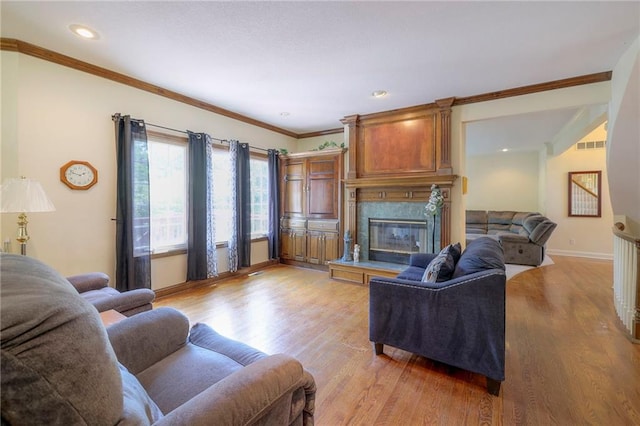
[181,251]
[169,253]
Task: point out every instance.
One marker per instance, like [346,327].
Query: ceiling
[320,61]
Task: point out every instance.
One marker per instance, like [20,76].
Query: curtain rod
[186,133]
[114,116]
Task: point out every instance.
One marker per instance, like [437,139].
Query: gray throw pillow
[442,266]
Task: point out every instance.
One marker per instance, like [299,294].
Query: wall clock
[78,174]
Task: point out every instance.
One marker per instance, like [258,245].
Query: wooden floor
[568,361]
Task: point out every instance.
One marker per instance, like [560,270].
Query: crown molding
[67,61]
[535,88]
[321,133]
[14,45]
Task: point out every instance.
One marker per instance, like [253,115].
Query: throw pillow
[456,252]
[441,267]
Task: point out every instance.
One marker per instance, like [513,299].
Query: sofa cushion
[531,222]
[441,267]
[500,217]
[476,222]
[540,229]
[414,273]
[476,216]
[520,217]
[480,255]
[496,228]
[139,408]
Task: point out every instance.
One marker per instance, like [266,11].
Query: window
[168,192]
[259,196]
[222,210]
[168,177]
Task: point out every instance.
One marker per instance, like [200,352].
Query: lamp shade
[23,196]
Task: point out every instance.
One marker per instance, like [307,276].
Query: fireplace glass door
[393,240]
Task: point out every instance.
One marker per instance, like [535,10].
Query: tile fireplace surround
[392,211]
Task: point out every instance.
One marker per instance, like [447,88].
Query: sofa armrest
[144,339]
[421,259]
[90,281]
[127,303]
[255,394]
[205,337]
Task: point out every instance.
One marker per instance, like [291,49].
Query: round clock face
[79,175]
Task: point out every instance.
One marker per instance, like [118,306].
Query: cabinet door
[286,244]
[293,188]
[299,241]
[331,243]
[322,187]
[315,247]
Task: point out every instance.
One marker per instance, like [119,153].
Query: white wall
[578,236]
[623,145]
[309,144]
[503,181]
[52,114]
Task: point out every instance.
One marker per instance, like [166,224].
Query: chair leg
[493,386]
[377,347]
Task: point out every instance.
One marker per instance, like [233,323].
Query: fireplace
[393,240]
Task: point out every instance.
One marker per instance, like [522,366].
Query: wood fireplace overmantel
[396,156]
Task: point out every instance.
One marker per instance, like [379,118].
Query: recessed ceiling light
[84,32]
[285,114]
[379,93]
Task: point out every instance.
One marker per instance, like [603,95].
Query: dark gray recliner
[527,248]
[459,322]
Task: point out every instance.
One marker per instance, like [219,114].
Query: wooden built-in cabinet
[311,208]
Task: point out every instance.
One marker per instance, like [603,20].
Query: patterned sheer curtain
[240,240]
[273,165]
[133,217]
[202,260]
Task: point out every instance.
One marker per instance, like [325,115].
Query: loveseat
[458,320]
[61,366]
[523,235]
[94,287]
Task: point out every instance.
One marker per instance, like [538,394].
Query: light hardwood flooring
[568,361]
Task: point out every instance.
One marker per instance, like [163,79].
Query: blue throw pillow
[442,266]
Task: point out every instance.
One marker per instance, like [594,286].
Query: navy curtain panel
[273,236]
[133,217]
[243,207]
[197,246]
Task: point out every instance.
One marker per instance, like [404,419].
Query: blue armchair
[459,322]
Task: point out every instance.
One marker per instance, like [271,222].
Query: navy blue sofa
[459,322]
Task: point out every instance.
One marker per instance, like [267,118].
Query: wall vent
[590,145]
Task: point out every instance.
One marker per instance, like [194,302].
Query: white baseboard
[590,255]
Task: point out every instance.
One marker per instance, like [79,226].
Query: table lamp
[24,196]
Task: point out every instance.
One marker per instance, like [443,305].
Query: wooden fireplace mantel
[417,180]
